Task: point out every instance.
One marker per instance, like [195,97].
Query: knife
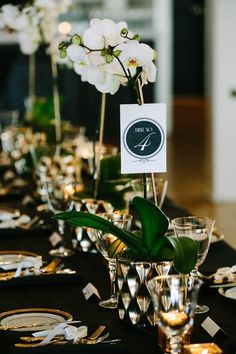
[36,324]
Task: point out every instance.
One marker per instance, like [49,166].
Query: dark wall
[188,36]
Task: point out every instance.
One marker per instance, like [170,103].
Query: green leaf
[154,223]
[185,253]
[79,218]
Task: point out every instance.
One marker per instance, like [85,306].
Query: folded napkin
[9,222]
[225,274]
[71,333]
[34,263]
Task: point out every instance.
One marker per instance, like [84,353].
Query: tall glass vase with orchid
[108,55]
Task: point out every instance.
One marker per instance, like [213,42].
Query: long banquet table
[65,293]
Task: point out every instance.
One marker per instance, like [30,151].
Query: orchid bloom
[109,55]
[103,33]
[134,55]
[10,13]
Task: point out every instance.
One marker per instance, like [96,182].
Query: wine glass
[59,192]
[104,240]
[199,229]
[161,185]
[174,300]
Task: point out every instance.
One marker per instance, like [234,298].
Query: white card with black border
[143,138]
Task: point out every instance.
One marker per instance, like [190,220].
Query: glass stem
[112,274]
[193,275]
[61,227]
[175,345]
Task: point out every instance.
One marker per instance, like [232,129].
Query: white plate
[14,257]
[33,319]
[230,293]
[7,214]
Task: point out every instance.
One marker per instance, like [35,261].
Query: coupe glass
[199,229]
[59,194]
[104,240]
[174,300]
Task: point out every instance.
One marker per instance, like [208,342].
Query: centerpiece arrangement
[141,255]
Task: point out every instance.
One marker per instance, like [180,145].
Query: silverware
[32,345]
[29,224]
[92,339]
[94,336]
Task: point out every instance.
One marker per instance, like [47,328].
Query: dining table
[65,292]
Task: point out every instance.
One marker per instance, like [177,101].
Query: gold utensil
[29,224]
[36,324]
[93,336]
[32,345]
[92,339]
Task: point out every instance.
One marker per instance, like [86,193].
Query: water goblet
[59,192]
[174,299]
[161,185]
[199,229]
[104,240]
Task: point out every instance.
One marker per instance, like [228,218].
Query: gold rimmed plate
[7,214]
[12,257]
[33,319]
[229,293]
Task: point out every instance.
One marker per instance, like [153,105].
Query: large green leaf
[185,253]
[154,223]
[79,218]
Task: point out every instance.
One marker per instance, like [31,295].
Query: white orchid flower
[149,73]
[10,14]
[2,23]
[103,33]
[107,83]
[29,40]
[134,54]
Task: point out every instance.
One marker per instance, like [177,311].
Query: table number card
[90,291]
[143,138]
[212,328]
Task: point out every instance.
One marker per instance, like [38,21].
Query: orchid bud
[109,58]
[116,53]
[136,37]
[103,52]
[63,53]
[61,45]
[124,32]
[155,55]
[76,39]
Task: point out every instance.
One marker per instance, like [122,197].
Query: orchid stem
[56,101]
[100,142]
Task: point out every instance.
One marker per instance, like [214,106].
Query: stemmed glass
[174,300]
[104,240]
[59,193]
[199,229]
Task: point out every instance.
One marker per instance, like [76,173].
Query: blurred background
[196,77]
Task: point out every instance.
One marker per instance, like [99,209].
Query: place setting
[53,330]
[24,267]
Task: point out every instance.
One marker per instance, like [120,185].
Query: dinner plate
[230,293]
[12,257]
[8,213]
[33,319]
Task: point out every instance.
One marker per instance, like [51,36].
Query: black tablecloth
[68,296]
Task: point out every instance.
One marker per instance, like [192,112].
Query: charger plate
[32,319]
[229,293]
[10,257]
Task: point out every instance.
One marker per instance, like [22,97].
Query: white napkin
[9,222]
[70,332]
[28,262]
[225,274]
